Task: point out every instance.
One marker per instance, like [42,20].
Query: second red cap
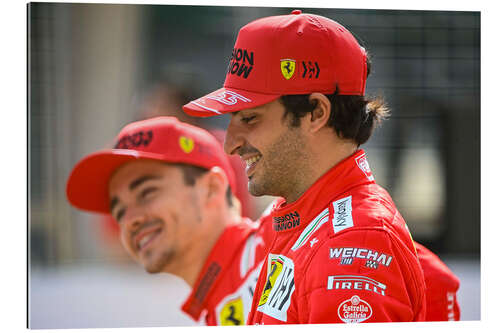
[162,138]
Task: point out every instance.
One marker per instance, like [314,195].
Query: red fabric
[442,287]
[286,55]
[162,139]
[222,294]
[341,253]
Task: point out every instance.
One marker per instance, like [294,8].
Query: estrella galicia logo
[287,68]
[310,70]
[287,221]
[241,63]
[135,140]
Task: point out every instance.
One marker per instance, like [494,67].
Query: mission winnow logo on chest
[287,221]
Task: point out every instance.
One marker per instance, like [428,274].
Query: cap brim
[225,100]
[87,186]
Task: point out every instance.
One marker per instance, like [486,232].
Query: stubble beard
[160,264]
[283,167]
[155,262]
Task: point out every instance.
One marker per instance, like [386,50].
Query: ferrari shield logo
[276,267]
[277,294]
[287,68]
[232,313]
[187,144]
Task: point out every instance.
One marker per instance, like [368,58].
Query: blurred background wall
[95,67]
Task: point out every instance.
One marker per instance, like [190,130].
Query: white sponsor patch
[229,97]
[354,310]
[277,294]
[362,163]
[342,214]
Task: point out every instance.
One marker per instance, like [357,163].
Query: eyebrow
[141,180]
[133,185]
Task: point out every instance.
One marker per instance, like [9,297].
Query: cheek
[269,137]
[125,241]
[163,207]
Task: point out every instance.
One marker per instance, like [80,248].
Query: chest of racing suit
[223,291]
[341,253]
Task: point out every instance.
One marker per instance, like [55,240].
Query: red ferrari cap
[162,139]
[286,55]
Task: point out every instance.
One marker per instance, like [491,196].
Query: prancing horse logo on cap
[287,68]
[187,144]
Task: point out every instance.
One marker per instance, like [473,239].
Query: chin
[152,270]
[258,189]
[158,264]
[154,267]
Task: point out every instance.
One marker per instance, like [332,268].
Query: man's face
[157,213]
[275,153]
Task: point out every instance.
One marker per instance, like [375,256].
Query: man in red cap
[169,186]
[342,252]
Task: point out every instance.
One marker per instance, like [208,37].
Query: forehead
[130,171]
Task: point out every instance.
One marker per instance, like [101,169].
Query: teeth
[252,160]
[145,239]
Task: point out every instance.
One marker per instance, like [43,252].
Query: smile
[144,239]
[250,163]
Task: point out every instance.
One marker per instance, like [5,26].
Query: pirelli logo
[355,282]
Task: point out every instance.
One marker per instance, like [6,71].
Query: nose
[133,219]
[234,138]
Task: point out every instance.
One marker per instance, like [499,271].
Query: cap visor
[226,100]
[87,186]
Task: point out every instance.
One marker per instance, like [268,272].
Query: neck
[321,159]
[190,262]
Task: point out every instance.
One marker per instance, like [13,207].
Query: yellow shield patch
[276,268]
[287,68]
[187,144]
[232,313]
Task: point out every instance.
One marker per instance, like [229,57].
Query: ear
[217,183]
[321,113]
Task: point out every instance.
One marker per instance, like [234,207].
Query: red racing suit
[341,253]
[442,286]
[223,291]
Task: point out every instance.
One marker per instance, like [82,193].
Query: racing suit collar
[352,171]
[219,259]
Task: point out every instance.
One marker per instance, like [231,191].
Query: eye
[146,192]
[247,120]
[119,214]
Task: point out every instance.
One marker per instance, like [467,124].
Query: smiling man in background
[342,252]
[169,187]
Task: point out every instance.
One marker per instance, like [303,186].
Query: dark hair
[193,172]
[352,117]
